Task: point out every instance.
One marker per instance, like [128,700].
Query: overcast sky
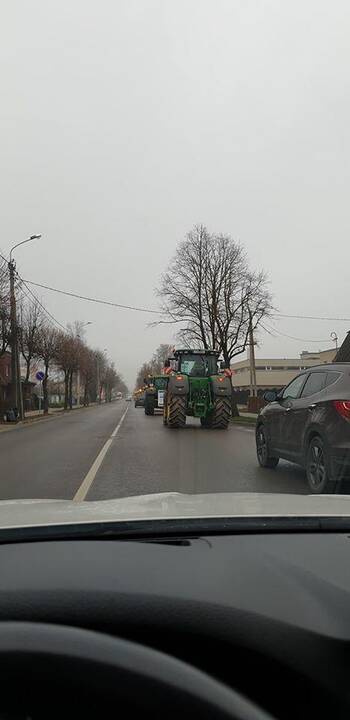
[123,123]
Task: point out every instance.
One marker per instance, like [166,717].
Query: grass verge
[241,420]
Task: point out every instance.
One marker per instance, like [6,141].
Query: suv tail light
[343,408]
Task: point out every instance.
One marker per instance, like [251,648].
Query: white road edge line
[89,478]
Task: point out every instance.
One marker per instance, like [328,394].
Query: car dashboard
[266,614]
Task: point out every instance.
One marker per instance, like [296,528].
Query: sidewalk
[40,413]
[38,416]
[52,411]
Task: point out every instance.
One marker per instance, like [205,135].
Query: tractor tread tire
[177,411]
[149,409]
[221,414]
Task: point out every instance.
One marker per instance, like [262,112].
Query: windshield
[198,365]
[174,183]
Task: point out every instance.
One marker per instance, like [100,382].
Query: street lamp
[83,325]
[15,366]
[334,337]
[32,237]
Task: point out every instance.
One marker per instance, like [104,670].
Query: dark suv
[308,423]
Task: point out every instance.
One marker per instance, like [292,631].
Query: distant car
[140,400]
[128,398]
[309,423]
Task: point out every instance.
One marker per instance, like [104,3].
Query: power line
[159,312]
[312,317]
[34,296]
[58,323]
[96,300]
[291,337]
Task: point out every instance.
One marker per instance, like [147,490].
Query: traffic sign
[40,375]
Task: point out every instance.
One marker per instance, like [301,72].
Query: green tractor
[154,393]
[196,389]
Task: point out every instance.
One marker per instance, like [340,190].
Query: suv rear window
[314,384]
[332,376]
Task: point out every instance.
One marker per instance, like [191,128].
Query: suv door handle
[311,407]
[288,409]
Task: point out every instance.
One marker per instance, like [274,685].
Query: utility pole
[16,385]
[17,398]
[252,370]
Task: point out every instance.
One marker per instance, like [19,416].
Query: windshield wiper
[181,528]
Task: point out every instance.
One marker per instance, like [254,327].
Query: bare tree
[212,295]
[101,368]
[5,329]
[155,365]
[210,292]
[110,381]
[145,370]
[46,350]
[66,360]
[161,354]
[87,365]
[31,321]
[76,331]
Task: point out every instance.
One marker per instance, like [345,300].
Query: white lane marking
[89,478]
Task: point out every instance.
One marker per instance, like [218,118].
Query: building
[274,373]
[322,356]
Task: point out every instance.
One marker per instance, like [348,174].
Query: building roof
[343,354]
[298,363]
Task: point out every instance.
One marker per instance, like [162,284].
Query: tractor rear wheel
[149,406]
[221,414]
[176,411]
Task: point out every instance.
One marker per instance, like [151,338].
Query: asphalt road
[53,457]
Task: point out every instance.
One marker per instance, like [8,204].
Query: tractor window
[160,383]
[198,365]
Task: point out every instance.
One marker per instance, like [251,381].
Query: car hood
[173,505]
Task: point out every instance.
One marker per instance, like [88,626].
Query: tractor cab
[197,363]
